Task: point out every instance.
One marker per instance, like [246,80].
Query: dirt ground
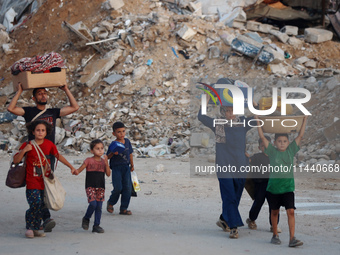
[173,214]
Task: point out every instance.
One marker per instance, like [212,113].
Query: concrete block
[315,35]
[113,78]
[310,64]
[295,42]
[290,30]
[265,28]
[253,25]
[277,69]
[239,24]
[83,29]
[301,60]
[196,8]
[281,36]
[186,33]
[115,4]
[96,69]
[227,38]
[4,37]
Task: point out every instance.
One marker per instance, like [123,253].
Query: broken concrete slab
[316,35]
[83,29]
[196,8]
[290,30]
[253,25]
[259,27]
[113,78]
[139,72]
[251,48]
[277,69]
[281,36]
[4,37]
[227,38]
[114,4]
[301,60]
[295,42]
[265,28]
[97,68]
[186,33]
[239,25]
[311,64]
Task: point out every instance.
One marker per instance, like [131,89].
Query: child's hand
[105,158]
[74,171]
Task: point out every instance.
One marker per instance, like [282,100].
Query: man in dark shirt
[48,114]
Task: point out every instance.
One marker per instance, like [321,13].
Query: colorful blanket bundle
[38,63]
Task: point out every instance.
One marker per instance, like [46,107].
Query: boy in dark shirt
[121,165]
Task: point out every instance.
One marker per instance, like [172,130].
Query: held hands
[74,171]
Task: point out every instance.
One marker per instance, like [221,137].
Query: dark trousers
[231,191]
[96,208]
[259,198]
[121,181]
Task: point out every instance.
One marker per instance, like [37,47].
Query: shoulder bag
[54,193]
[16,176]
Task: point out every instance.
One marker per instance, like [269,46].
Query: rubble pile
[141,67]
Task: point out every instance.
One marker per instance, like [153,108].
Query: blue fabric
[96,208]
[33,214]
[231,192]
[122,158]
[231,153]
[121,181]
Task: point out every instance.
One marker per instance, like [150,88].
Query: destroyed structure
[139,62]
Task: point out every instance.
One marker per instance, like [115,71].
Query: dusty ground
[173,214]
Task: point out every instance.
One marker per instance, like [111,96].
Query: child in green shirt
[281,186]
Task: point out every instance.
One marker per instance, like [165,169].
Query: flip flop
[125,212]
[109,207]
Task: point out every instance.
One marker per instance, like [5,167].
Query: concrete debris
[290,30]
[316,35]
[145,65]
[114,4]
[186,32]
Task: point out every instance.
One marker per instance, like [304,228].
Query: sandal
[109,207]
[125,212]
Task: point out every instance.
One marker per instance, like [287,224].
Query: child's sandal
[125,212]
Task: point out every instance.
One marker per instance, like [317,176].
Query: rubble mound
[145,71]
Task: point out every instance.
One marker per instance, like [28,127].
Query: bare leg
[274,216]
[291,223]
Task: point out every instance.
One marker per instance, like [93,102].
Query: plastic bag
[135,181]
